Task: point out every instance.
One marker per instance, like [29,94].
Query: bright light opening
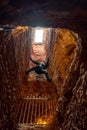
[38,36]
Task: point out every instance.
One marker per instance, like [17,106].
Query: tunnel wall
[14,53]
[62,56]
[72,105]
[22,47]
[8,81]
[68,72]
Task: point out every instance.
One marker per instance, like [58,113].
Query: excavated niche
[61,47]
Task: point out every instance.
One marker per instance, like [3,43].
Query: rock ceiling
[43,12]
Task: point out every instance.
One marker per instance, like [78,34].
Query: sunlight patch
[39,36]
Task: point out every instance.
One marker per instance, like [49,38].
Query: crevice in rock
[67,67]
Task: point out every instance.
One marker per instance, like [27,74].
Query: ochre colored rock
[67,67]
[14,53]
[39,88]
[72,106]
[63,52]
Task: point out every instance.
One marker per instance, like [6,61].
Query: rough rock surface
[13,60]
[72,108]
[67,68]
[62,56]
[8,82]
[22,46]
[38,88]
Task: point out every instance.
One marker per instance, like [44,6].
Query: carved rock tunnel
[36,99]
[38,102]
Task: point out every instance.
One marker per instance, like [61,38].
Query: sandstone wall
[14,53]
[8,82]
[72,105]
[67,68]
[62,56]
[22,47]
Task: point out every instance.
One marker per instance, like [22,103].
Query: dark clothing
[40,68]
[44,66]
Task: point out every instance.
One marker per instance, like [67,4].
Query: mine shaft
[31,102]
[37,107]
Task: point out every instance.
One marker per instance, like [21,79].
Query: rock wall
[14,53]
[22,47]
[62,56]
[8,82]
[67,68]
[72,105]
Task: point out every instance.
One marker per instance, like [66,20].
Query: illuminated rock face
[72,105]
[67,68]
[22,47]
[62,56]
